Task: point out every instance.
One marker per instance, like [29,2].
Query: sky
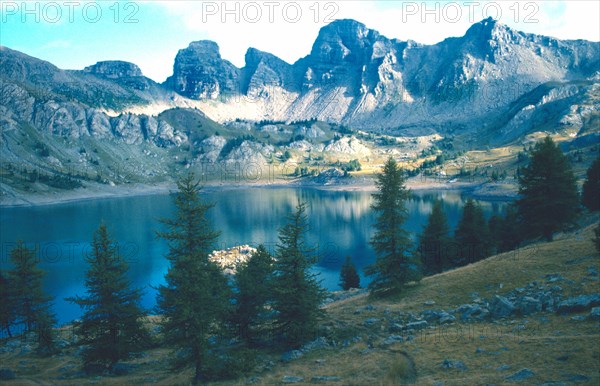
[75,34]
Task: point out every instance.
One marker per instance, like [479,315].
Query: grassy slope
[554,347]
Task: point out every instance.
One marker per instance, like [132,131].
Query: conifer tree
[6,306]
[591,187]
[395,266]
[549,201]
[111,327]
[434,240]
[253,281]
[505,231]
[194,302]
[31,306]
[297,293]
[348,276]
[472,234]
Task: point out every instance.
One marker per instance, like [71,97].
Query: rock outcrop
[199,72]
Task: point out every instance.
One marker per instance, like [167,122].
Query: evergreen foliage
[297,293]
[196,299]
[549,201]
[434,240]
[394,266]
[348,276]
[30,305]
[253,282]
[111,327]
[472,235]
[6,308]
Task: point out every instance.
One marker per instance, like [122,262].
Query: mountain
[491,87]
[356,76]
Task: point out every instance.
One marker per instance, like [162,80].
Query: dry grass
[554,347]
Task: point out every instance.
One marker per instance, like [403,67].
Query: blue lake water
[341,224]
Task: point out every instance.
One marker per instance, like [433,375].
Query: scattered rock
[316,344]
[291,379]
[429,303]
[520,375]
[577,378]
[595,313]
[501,307]
[418,325]
[472,311]
[578,303]
[325,378]
[578,318]
[503,368]
[393,339]
[528,305]
[446,318]
[449,364]
[291,355]
[554,277]
[371,321]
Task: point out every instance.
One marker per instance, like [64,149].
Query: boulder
[578,303]
[528,305]
[291,379]
[501,307]
[450,364]
[520,375]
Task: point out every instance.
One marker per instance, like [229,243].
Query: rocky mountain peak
[114,69]
[342,40]
[199,72]
[207,48]
[491,29]
[263,68]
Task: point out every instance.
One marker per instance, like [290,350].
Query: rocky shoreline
[92,191]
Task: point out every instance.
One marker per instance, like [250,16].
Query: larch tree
[472,235]
[253,282]
[549,200]
[111,327]
[591,187]
[433,242]
[348,275]
[297,293]
[395,265]
[195,301]
[31,306]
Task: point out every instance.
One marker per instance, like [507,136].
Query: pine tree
[194,302]
[253,282]
[591,187]
[549,201]
[394,266]
[505,232]
[111,327]
[6,306]
[297,293]
[434,240]
[472,234]
[31,306]
[348,276]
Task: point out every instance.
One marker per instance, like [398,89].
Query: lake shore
[477,189]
